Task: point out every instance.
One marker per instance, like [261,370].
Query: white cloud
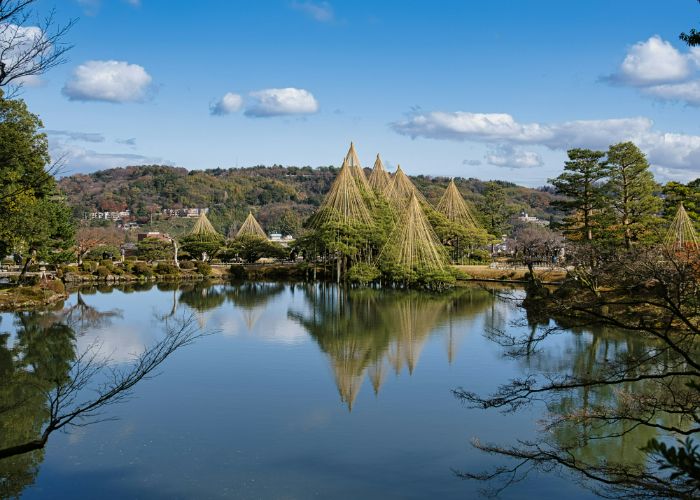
[110,81]
[229,103]
[512,157]
[77,159]
[687,92]
[652,62]
[661,71]
[664,150]
[16,40]
[321,11]
[76,136]
[277,102]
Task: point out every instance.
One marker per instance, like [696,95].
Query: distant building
[282,240]
[124,214]
[184,212]
[528,219]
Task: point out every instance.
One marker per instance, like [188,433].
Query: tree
[495,209]
[688,194]
[28,50]
[251,248]
[581,184]
[91,237]
[648,392]
[197,246]
[630,192]
[35,220]
[150,249]
[692,38]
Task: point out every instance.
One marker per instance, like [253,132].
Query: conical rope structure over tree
[251,227]
[413,243]
[379,179]
[681,233]
[203,229]
[453,206]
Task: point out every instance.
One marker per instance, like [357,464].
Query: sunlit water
[302,391]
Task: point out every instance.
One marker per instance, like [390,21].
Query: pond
[299,391]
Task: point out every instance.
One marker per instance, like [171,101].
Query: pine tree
[630,191]
[581,184]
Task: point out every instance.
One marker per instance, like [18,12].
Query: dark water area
[301,391]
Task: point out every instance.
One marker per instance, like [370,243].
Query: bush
[69,269]
[166,268]
[56,286]
[103,272]
[363,273]
[117,270]
[216,261]
[142,269]
[203,268]
[107,263]
[237,271]
[89,266]
[186,264]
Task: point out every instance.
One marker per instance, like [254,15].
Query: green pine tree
[630,192]
[581,184]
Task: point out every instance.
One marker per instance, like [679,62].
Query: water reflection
[366,332]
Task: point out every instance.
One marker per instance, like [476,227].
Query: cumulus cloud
[660,71]
[278,102]
[76,136]
[651,62]
[109,81]
[509,156]
[229,103]
[318,11]
[664,149]
[76,158]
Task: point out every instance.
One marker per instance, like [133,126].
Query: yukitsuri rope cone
[379,179]
[453,206]
[251,226]
[402,189]
[344,202]
[681,234]
[413,243]
[203,228]
[358,173]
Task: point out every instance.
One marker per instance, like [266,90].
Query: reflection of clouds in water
[116,343]
[268,322]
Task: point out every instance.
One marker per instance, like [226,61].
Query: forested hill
[281,197]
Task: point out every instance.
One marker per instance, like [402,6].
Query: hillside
[281,197]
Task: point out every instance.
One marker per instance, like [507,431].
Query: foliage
[203,268]
[363,273]
[142,269]
[198,246]
[151,249]
[98,252]
[163,268]
[581,184]
[250,248]
[630,193]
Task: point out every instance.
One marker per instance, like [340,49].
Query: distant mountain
[280,197]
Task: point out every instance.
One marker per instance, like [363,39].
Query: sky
[492,90]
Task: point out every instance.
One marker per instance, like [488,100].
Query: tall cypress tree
[630,191]
[581,184]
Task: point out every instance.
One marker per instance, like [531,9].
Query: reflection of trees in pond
[46,386]
[42,353]
[251,298]
[601,437]
[81,316]
[367,332]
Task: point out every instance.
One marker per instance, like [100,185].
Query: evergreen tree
[630,192]
[580,183]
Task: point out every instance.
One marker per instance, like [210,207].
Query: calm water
[303,391]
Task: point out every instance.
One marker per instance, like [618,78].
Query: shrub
[186,264]
[89,266]
[107,263]
[216,261]
[142,269]
[99,252]
[56,286]
[203,268]
[69,269]
[166,268]
[363,273]
[103,272]
[237,271]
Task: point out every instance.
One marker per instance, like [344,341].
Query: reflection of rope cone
[201,319]
[251,317]
[377,373]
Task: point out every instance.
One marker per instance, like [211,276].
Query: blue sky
[493,90]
